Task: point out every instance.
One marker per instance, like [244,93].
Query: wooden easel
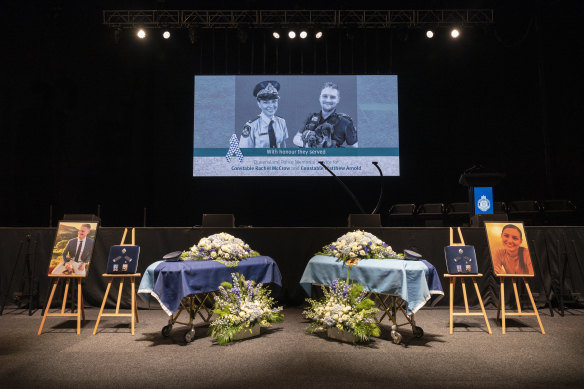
[134,309]
[501,307]
[462,277]
[453,278]
[80,310]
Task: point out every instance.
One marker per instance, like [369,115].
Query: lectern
[480,182]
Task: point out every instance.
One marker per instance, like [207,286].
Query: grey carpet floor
[285,357]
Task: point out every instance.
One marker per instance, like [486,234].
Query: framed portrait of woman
[509,249]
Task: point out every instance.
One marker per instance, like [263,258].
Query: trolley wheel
[418,331]
[190,335]
[166,330]
[396,337]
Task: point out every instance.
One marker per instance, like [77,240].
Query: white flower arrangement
[222,247]
[240,306]
[346,307]
[357,245]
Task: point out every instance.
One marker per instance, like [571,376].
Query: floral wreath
[356,245]
[222,247]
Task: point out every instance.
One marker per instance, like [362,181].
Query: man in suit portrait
[77,254]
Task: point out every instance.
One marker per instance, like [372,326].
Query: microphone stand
[343,185]
[381,187]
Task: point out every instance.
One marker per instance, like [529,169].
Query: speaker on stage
[364,220]
[218,220]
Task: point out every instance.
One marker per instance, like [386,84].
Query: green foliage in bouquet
[222,247]
[240,306]
[357,245]
[345,307]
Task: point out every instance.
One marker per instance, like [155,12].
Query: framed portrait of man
[509,249]
[73,248]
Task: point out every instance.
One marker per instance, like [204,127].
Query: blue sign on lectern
[483,200]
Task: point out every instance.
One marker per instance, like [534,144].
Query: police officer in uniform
[266,130]
[328,128]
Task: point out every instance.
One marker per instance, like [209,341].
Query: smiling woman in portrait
[265,130]
[512,258]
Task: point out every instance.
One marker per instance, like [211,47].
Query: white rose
[213,254]
[362,252]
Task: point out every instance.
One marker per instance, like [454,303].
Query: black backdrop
[555,251]
[86,122]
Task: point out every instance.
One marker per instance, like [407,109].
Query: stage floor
[284,356]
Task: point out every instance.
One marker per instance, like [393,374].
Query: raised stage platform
[558,254]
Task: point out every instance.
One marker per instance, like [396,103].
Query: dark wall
[86,121]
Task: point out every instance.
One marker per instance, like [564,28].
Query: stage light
[429,34]
[117,33]
[242,34]
[193,34]
[454,33]
[166,34]
[318,35]
[291,35]
[141,34]
[303,34]
[276,34]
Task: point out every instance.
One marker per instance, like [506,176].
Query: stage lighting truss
[232,19]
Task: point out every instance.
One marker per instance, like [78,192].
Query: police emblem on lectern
[483,204]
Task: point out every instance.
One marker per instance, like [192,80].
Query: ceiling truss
[288,18]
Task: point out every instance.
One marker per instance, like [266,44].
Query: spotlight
[318,35]
[454,33]
[141,34]
[429,34]
[291,35]
[276,35]
[166,34]
[303,34]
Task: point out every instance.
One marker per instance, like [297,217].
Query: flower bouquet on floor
[356,245]
[222,247]
[344,308]
[242,306]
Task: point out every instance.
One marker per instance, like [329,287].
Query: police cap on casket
[173,256]
[267,90]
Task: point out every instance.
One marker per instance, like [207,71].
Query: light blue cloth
[409,280]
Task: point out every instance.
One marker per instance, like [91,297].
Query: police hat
[412,255]
[172,257]
[267,90]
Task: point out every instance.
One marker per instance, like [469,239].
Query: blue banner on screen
[284,125]
[483,200]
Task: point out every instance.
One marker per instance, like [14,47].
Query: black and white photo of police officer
[327,128]
[266,130]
